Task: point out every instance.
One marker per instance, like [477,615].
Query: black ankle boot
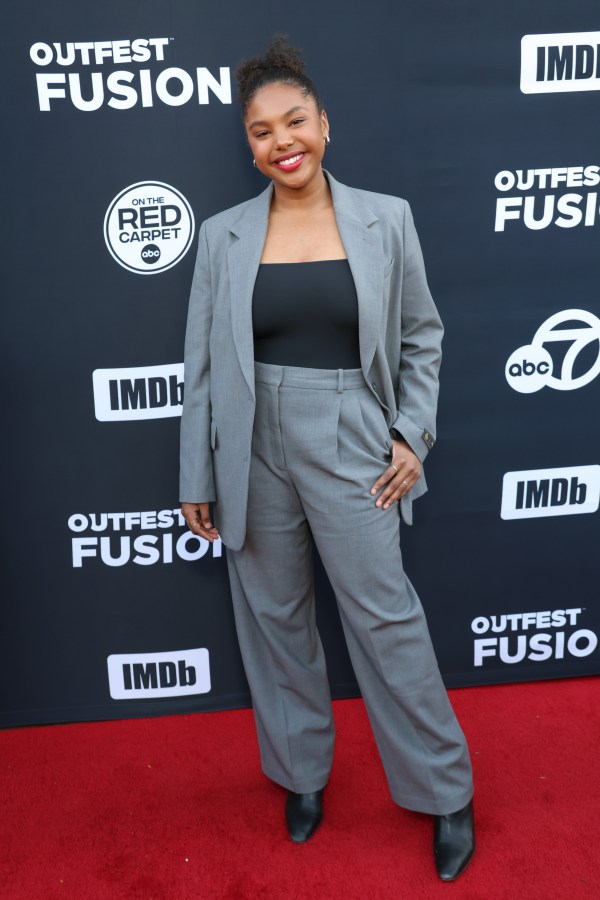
[453,842]
[303,814]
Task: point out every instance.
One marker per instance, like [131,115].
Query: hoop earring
[327,139]
[254,163]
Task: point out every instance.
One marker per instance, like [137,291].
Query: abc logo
[572,331]
[150,254]
[528,368]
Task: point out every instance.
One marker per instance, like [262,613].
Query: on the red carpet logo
[149,227]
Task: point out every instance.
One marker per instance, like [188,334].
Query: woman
[311,361]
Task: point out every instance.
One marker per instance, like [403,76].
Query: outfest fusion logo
[120,74]
[565,196]
[144,538]
[540,636]
[149,227]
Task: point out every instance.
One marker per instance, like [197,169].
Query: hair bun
[281,55]
[280,63]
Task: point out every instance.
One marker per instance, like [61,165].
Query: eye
[297,121]
[260,134]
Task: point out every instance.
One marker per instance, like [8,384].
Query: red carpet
[176,809]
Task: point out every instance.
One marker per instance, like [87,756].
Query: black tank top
[306,314]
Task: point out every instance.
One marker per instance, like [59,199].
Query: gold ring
[405,482]
[394,468]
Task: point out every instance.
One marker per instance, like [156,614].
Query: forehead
[276,100]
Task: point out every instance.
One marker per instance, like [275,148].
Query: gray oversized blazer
[399,333]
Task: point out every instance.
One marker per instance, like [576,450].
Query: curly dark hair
[280,64]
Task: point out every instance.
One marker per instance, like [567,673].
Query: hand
[198,520]
[402,473]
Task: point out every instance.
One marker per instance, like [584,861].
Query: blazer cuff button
[429,439]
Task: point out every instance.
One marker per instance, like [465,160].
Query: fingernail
[373,491]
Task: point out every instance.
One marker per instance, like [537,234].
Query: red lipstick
[295,160]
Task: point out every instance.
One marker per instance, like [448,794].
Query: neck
[313,196]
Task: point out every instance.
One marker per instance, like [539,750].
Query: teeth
[290,161]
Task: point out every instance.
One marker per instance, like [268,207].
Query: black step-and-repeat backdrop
[120,135]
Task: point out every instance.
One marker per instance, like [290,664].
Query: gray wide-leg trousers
[320,441]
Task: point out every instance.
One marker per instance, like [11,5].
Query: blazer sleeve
[196,482]
[421,352]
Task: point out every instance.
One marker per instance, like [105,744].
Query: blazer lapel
[364,248]
[243,259]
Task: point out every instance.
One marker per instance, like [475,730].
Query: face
[286,134]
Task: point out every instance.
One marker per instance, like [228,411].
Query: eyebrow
[290,112]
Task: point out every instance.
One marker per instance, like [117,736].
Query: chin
[298,179]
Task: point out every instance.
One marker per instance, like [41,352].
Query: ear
[324,123]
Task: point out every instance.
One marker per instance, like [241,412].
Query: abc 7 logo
[530,368]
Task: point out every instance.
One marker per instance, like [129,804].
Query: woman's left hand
[402,473]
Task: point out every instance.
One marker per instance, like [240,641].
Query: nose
[284,140]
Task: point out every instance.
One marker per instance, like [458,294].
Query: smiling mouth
[290,161]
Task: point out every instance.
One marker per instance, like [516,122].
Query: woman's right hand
[197,517]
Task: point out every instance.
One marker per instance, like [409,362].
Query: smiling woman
[288,140]
[312,357]
[287,130]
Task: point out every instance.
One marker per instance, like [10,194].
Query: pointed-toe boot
[303,814]
[454,842]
